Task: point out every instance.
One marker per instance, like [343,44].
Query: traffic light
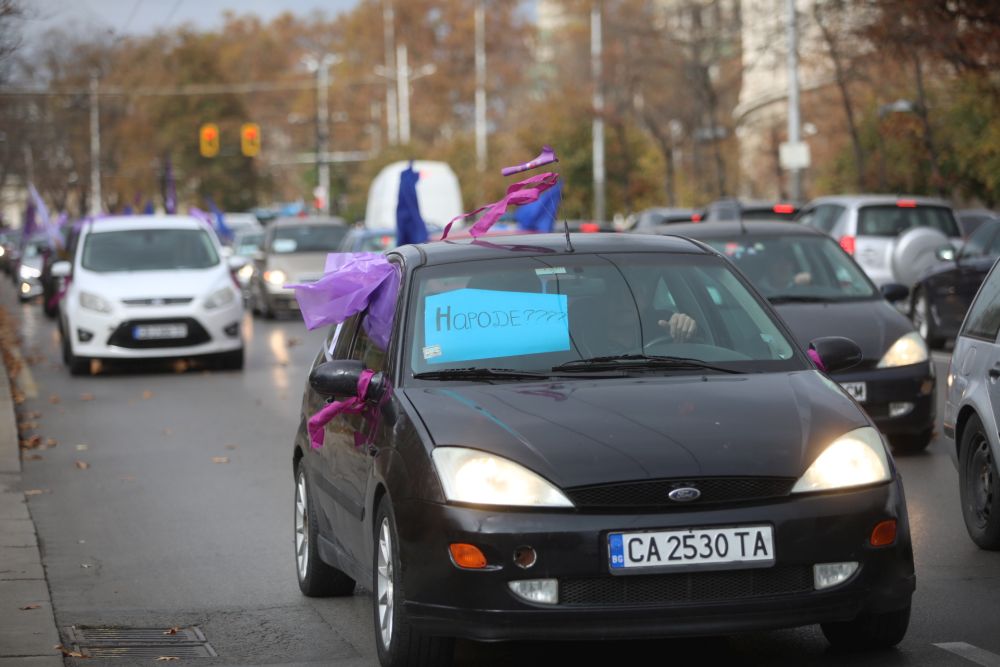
[208,137]
[250,139]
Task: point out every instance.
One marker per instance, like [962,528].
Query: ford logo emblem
[685,494]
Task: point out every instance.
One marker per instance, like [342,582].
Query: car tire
[316,578]
[923,321]
[911,443]
[77,365]
[397,643]
[869,631]
[979,486]
[232,361]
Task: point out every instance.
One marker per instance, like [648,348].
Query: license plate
[691,549]
[159,331]
[859,390]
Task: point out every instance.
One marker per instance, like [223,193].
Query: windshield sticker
[432,351]
[550,271]
[469,324]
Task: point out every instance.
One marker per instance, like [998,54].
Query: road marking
[971,653]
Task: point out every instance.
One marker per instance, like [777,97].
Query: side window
[368,346]
[983,320]
[978,244]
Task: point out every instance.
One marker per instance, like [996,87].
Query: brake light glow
[786,209]
[696,217]
[847,243]
[906,203]
[590,227]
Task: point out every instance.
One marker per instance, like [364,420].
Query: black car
[943,294]
[819,290]
[542,454]
[725,210]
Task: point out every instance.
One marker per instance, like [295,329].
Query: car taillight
[786,209]
[696,217]
[847,243]
[590,227]
[906,203]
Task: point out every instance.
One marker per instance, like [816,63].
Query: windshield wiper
[799,298]
[479,374]
[640,361]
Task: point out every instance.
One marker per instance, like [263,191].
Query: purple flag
[169,187]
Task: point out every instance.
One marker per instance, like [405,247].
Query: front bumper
[109,335]
[29,288]
[572,547]
[912,385]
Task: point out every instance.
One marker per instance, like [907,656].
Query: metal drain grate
[187,642]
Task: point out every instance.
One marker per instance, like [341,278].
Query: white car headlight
[245,272]
[908,349]
[220,297]
[29,272]
[94,302]
[480,478]
[276,277]
[854,459]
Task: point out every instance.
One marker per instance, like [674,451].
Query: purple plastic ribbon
[814,355]
[547,156]
[522,192]
[353,405]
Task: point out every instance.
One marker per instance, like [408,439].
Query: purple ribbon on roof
[351,282]
[547,156]
[522,192]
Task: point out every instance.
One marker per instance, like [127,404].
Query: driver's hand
[680,326]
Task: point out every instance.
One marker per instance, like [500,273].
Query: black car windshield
[800,266]
[536,314]
[307,238]
[893,219]
[148,250]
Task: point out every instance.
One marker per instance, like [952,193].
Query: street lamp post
[95,147]
[321,66]
[598,102]
[480,87]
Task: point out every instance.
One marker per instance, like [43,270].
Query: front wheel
[869,631]
[316,578]
[398,644]
[979,486]
[923,319]
[77,365]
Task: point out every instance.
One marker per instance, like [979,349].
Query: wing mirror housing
[236,262]
[339,379]
[834,353]
[946,254]
[61,269]
[894,292]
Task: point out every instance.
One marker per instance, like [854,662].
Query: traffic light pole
[95,148]
[323,133]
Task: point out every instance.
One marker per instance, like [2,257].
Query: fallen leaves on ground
[31,442]
[69,653]
[82,465]
[36,492]
[146,395]
[54,399]
[220,459]
[33,415]
[293,341]
[86,397]
[50,443]
[29,607]
[172,631]
[26,426]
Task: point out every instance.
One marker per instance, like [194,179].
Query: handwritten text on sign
[469,324]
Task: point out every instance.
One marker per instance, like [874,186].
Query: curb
[28,629]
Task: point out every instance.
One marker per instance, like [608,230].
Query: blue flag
[410,225]
[540,215]
[221,228]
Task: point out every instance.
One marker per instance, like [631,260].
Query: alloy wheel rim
[983,483]
[301,529]
[384,594]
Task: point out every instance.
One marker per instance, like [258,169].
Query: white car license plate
[859,390]
[159,331]
[693,548]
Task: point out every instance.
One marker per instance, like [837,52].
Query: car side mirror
[834,353]
[236,262]
[339,378]
[61,269]
[894,292]
[226,251]
[946,254]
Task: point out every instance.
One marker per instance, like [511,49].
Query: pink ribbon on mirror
[814,356]
[522,192]
[353,405]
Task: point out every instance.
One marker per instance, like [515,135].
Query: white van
[437,192]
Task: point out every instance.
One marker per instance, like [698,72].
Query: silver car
[972,414]
[870,227]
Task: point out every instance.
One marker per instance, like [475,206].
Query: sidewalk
[27,625]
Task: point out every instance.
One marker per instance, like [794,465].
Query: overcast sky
[147,16]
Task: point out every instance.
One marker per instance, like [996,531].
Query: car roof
[534,245]
[718,230]
[306,220]
[126,222]
[869,199]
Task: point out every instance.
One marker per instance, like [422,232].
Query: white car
[143,287]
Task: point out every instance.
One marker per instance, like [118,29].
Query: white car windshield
[148,250]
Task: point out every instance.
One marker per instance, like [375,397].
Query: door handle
[994,373]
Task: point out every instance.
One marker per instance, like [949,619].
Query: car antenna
[569,244]
[739,212]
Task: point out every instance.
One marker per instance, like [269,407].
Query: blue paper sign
[469,324]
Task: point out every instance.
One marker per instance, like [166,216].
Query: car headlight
[480,478]
[275,278]
[854,459]
[908,349]
[220,297]
[245,272]
[29,272]
[94,302]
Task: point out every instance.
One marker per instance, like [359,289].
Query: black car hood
[874,325]
[582,432]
